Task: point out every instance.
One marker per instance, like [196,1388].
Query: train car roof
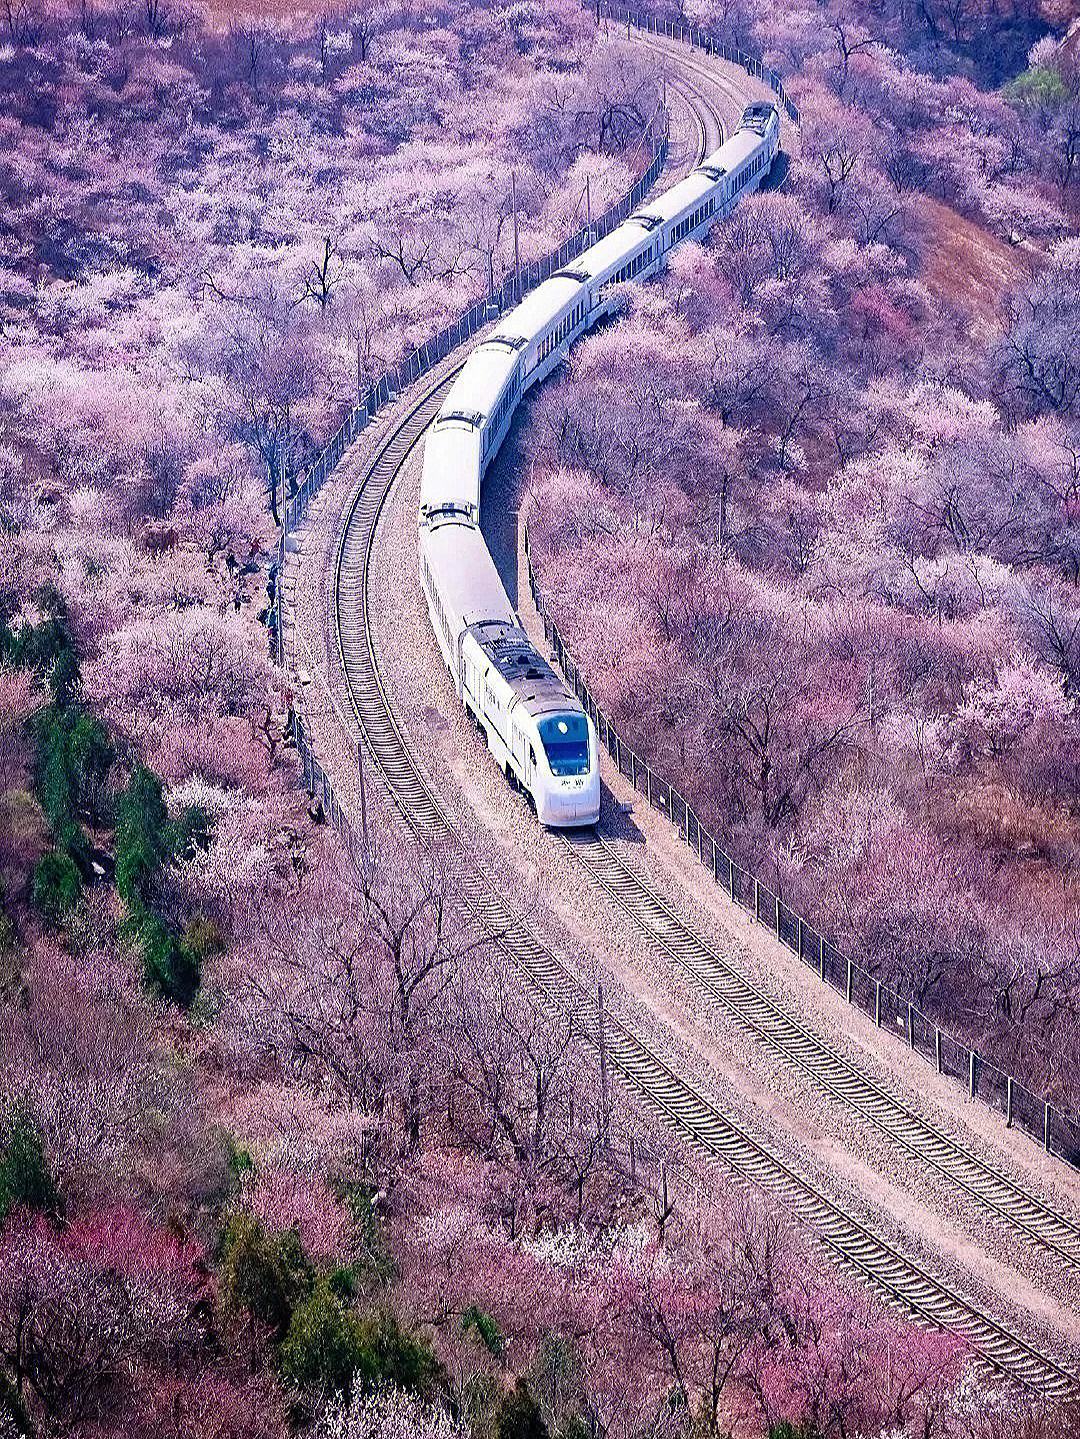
[482,380]
[531,679]
[680,197]
[451,469]
[464,574]
[732,153]
[607,253]
[539,308]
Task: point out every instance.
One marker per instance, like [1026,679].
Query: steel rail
[670,934]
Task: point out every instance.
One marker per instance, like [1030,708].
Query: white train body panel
[536,729]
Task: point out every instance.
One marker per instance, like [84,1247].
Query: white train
[535,728]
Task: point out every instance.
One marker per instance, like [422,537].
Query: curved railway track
[768,1021]
[710,126]
[896,1277]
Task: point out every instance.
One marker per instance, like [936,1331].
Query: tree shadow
[778,172]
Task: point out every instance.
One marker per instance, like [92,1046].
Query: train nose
[566,810]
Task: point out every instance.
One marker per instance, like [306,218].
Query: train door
[521,755]
[470,688]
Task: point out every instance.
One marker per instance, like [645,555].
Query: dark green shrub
[330,1346]
[142,828]
[90,757]
[42,645]
[266,1276]
[53,782]
[56,886]
[237,1157]
[189,832]
[145,840]
[169,968]
[74,758]
[518,1415]
[393,1357]
[487,1331]
[324,1344]
[24,1170]
[786,1430]
[12,1408]
[64,676]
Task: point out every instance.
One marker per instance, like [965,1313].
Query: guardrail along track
[714,976]
[690,1113]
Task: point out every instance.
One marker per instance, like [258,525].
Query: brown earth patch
[966,265]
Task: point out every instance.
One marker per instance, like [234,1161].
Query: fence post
[1008,1100]
[821,957]
[877,1002]
[778,916]
[972,1075]
[603,1115]
[849,985]
[755,899]
[663,1196]
[910,1027]
[937,1048]
[1046,1127]
[731,879]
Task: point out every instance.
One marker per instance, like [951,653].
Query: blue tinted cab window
[566,743]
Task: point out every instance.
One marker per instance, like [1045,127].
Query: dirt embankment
[964,264]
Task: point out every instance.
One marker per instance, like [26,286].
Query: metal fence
[1059,1134]
[700,40]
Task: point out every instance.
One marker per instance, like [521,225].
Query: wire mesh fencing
[1058,1133]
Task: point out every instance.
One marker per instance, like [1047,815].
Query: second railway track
[690,1112]
[667,932]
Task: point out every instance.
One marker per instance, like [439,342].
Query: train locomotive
[534,726]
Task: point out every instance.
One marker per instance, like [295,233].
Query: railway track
[690,63]
[710,126]
[670,935]
[893,1275]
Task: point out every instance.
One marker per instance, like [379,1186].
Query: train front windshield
[566,743]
